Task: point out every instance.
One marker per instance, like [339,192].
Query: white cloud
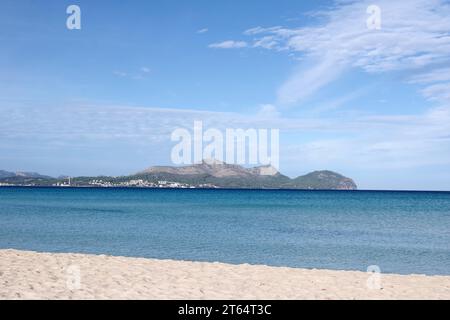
[204,30]
[437,75]
[259,30]
[414,34]
[229,44]
[381,142]
[120,73]
[337,102]
[305,82]
[268,111]
[437,92]
[137,75]
[437,85]
[367,144]
[267,42]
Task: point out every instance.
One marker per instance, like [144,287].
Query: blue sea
[401,232]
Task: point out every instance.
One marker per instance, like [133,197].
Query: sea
[398,232]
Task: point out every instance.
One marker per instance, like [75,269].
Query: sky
[368,100]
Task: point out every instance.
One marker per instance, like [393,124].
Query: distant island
[208,174]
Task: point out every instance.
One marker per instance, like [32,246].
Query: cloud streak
[375,141]
[228,44]
[414,34]
[204,30]
[304,82]
[141,74]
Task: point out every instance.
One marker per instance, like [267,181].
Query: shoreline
[221,188]
[33,275]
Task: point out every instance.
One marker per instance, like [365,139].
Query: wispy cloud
[141,74]
[437,75]
[204,30]
[376,141]
[306,81]
[229,44]
[268,111]
[437,85]
[414,34]
[381,143]
[337,102]
[120,73]
[438,92]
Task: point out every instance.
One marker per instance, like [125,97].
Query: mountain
[216,173]
[7,174]
[214,168]
[31,175]
[208,174]
[234,176]
[25,178]
[324,180]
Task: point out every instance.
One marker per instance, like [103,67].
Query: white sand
[30,275]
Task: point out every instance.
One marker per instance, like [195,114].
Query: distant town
[139,183]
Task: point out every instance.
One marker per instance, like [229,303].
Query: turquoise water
[401,232]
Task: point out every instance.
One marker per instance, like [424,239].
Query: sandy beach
[31,275]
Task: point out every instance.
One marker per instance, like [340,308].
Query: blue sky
[371,104]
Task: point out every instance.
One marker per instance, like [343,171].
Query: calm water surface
[402,232]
